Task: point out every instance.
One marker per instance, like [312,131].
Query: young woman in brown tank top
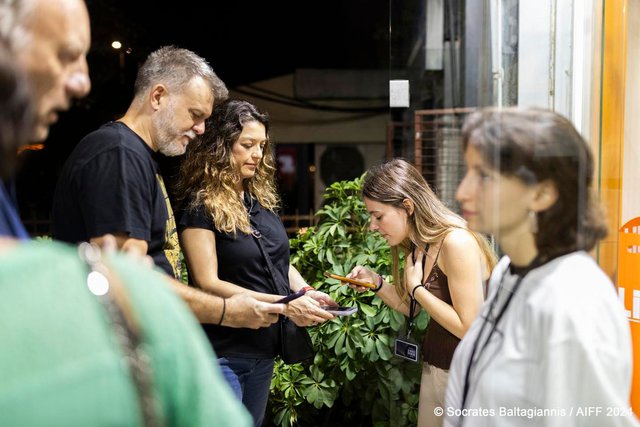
[445,267]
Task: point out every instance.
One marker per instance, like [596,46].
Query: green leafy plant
[354,378]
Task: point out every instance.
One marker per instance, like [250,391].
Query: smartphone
[291,297]
[339,311]
[352,281]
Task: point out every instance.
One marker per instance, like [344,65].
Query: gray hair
[13,16]
[175,68]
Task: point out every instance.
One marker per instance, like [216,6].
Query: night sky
[249,40]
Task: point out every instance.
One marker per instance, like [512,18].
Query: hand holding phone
[352,281]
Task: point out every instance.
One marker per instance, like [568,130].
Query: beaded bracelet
[379,284]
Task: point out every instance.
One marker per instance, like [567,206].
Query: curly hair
[395,181]
[208,174]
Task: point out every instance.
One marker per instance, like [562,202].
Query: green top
[60,363]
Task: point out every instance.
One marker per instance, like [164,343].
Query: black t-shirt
[111,184]
[241,263]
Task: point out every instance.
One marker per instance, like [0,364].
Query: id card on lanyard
[405,347]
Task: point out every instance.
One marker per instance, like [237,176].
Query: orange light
[31,147]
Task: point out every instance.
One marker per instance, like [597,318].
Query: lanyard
[413,304]
[412,312]
[474,349]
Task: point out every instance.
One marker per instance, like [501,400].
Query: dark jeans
[250,380]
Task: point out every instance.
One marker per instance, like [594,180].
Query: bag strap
[105,284]
[257,235]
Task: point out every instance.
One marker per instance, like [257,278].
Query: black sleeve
[115,191]
[195,217]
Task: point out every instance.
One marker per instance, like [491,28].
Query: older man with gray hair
[48,42]
[111,183]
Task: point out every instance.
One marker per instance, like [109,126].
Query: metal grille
[397,134]
[438,150]
[296,222]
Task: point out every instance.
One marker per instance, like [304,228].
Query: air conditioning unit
[340,162]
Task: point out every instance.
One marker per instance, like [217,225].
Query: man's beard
[168,140]
[170,148]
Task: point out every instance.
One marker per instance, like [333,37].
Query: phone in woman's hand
[337,310]
[352,281]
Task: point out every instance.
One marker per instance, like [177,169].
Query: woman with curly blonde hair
[229,198]
[445,267]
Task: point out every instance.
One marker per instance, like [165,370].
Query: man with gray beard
[111,183]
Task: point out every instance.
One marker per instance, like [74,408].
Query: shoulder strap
[425,278]
[439,248]
[424,255]
[258,238]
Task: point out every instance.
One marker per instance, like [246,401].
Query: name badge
[406,349]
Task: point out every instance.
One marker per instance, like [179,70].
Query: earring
[533,222]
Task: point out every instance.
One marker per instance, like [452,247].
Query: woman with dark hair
[445,268]
[552,336]
[229,202]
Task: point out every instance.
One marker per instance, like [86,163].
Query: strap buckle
[256,233]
